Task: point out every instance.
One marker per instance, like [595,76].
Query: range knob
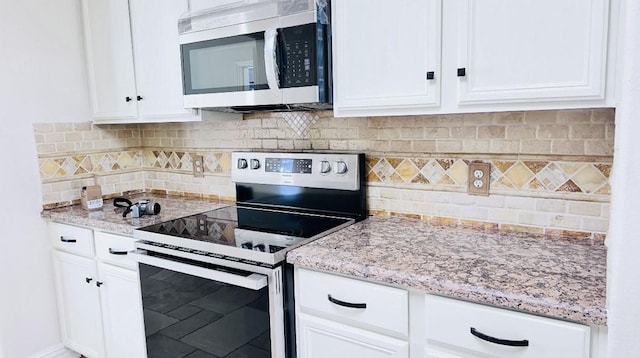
[325,167]
[255,164]
[242,163]
[259,247]
[341,167]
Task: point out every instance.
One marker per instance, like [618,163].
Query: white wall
[624,235]
[41,80]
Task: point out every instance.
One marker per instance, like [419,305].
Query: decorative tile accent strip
[507,175]
[118,161]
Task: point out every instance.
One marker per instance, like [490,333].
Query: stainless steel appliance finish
[216,284]
[267,55]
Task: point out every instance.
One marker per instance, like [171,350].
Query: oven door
[195,309]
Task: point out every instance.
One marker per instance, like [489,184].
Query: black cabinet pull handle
[431,75]
[99,283]
[462,72]
[504,342]
[114,252]
[128,99]
[346,304]
[88,279]
[63,239]
[139,98]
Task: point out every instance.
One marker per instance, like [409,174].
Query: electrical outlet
[479,178]
[198,165]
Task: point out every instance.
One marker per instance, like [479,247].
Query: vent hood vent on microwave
[232,12]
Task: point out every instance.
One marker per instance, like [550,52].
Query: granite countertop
[556,277]
[110,219]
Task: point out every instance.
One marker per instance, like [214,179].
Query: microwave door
[232,71]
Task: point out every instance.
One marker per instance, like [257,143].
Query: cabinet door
[78,303]
[531,50]
[384,52]
[157,59]
[110,59]
[122,312]
[319,338]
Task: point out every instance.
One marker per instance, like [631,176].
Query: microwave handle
[270,62]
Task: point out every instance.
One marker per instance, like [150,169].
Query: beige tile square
[589,178]
[458,172]
[433,171]
[519,174]
[383,170]
[48,168]
[407,170]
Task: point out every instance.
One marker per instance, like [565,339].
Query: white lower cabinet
[339,317]
[98,293]
[121,312]
[321,338]
[78,303]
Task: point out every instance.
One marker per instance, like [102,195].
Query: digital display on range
[288,165]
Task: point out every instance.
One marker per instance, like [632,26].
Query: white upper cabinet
[488,55]
[386,53]
[532,50]
[109,54]
[133,61]
[154,28]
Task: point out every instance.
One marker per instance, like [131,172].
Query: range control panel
[288,165]
[315,170]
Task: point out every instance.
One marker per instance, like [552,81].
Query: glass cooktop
[262,230]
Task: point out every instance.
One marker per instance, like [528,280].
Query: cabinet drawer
[373,306]
[72,239]
[450,322]
[115,249]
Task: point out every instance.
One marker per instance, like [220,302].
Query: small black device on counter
[142,207]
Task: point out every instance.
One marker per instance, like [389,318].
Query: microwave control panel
[298,66]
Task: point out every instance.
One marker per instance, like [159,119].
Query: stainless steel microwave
[244,60]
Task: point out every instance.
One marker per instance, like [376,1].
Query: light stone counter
[555,277]
[110,219]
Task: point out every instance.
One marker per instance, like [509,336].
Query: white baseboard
[57,351]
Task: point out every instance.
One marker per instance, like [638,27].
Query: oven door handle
[254,281]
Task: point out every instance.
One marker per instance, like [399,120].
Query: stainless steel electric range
[216,284]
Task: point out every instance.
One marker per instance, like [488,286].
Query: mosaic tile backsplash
[550,169]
